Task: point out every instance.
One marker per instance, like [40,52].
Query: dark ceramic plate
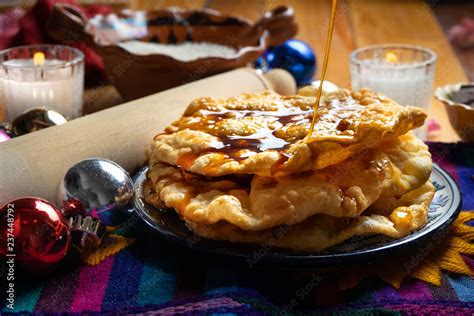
[443,210]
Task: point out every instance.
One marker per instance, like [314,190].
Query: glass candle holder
[404,73]
[41,75]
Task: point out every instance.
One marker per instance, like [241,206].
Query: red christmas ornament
[33,232]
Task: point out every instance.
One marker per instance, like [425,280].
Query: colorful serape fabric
[158,277]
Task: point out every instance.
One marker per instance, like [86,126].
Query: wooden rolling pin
[32,165]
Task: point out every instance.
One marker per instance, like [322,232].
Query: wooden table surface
[358,23]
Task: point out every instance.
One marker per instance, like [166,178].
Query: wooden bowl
[136,76]
[460,115]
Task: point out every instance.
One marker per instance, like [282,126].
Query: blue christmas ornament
[295,56]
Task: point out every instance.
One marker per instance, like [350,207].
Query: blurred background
[309,14]
[445,27]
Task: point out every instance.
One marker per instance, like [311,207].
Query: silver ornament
[100,185]
[36,119]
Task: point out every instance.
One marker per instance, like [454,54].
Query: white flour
[186,51]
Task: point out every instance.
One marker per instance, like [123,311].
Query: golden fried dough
[245,169]
[258,203]
[264,133]
[410,164]
[397,218]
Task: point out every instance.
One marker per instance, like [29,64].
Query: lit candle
[41,75]
[402,72]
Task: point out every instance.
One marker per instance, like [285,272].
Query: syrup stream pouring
[323,72]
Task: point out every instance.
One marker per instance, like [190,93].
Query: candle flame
[38,59]
[391,57]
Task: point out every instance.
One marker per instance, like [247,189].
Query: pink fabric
[417,290]
[91,287]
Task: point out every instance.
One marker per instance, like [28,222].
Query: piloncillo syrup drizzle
[233,145]
[323,71]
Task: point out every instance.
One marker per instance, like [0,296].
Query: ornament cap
[86,231]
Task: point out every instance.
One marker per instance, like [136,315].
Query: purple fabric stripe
[199,307]
[437,305]
[415,290]
[91,287]
[58,292]
[385,293]
[430,309]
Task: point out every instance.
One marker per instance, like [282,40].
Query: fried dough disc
[264,133]
[410,164]
[407,214]
[258,203]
